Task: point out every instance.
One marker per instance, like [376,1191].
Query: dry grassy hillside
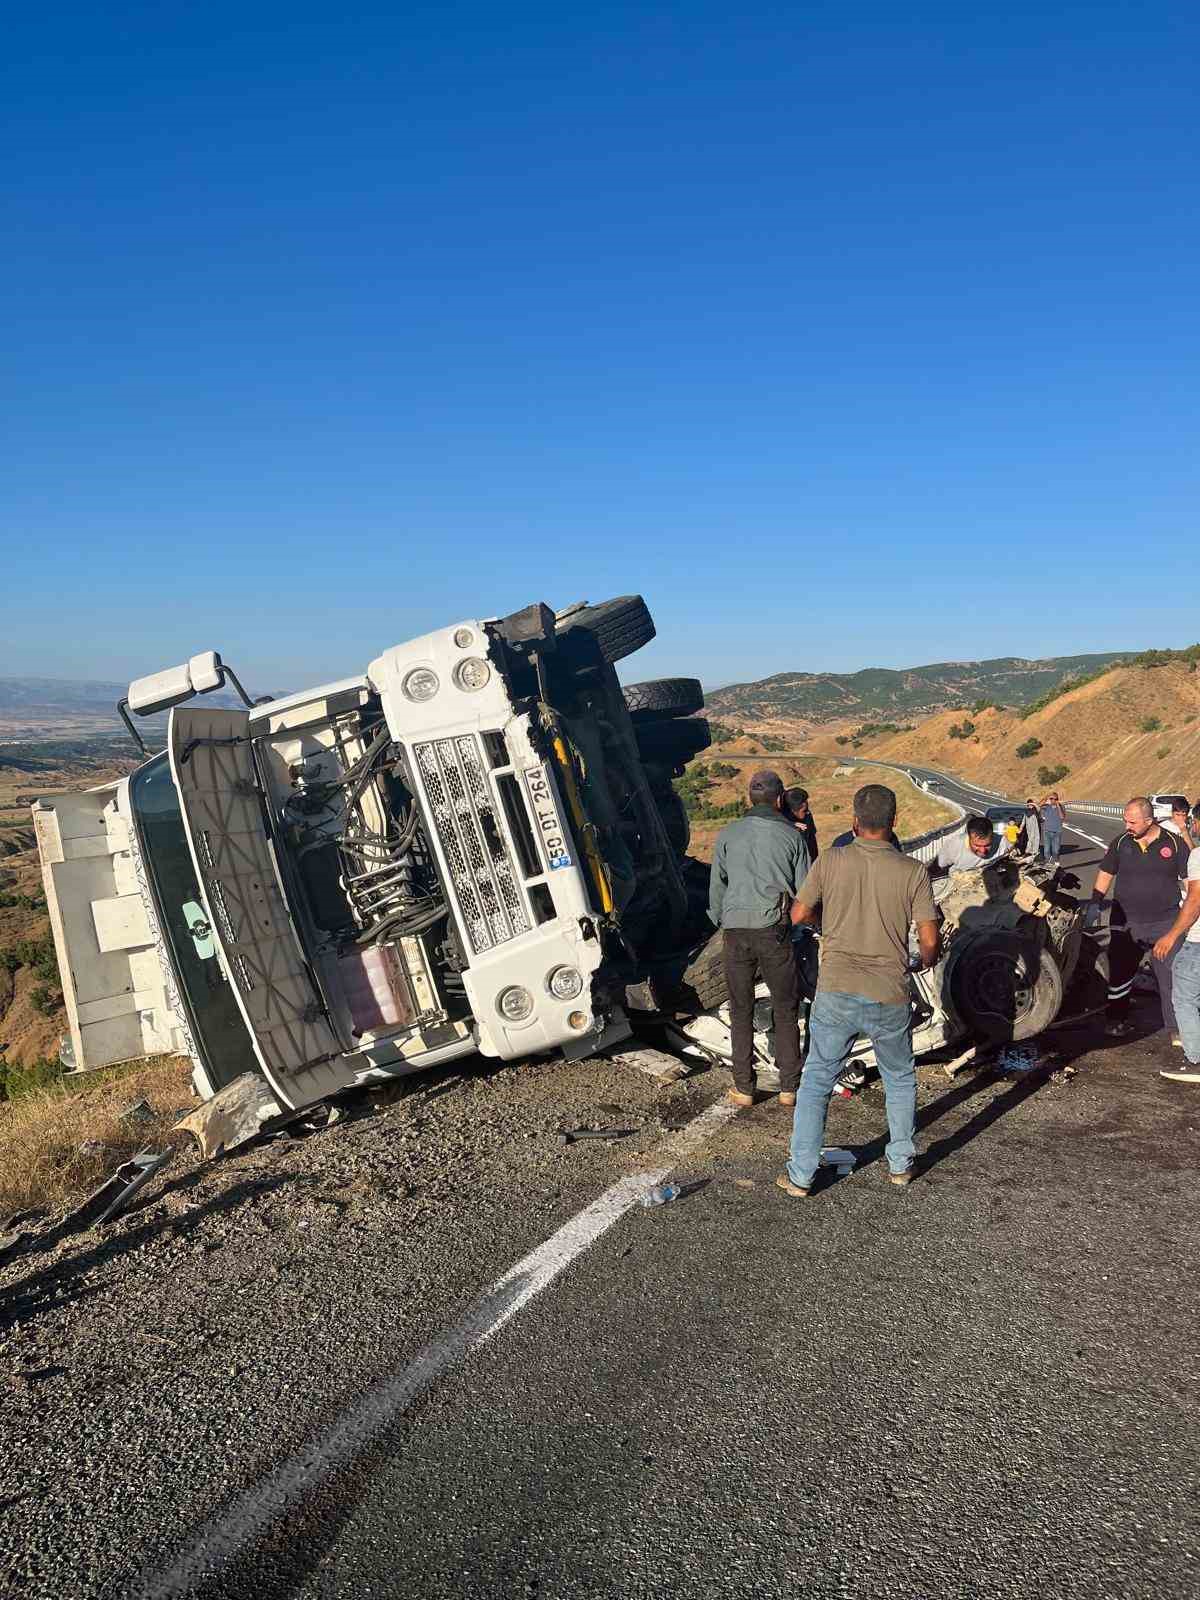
[830,795]
[1136,729]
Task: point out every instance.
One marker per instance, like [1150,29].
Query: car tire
[663,697]
[673,743]
[675,821]
[1002,986]
[618,626]
[700,986]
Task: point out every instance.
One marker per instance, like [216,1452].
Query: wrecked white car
[473,846]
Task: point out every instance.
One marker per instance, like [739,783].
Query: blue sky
[848,334]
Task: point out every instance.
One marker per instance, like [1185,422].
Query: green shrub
[44,1000]
[961,730]
[722,769]
[724,732]
[1150,724]
[770,742]
[843,738]
[1051,775]
[1027,748]
[16,1081]
[1165,751]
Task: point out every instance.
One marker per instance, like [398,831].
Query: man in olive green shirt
[869,896]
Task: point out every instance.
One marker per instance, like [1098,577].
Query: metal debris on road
[140,1111]
[117,1190]
[236,1113]
[1018,1058]
[569,1135]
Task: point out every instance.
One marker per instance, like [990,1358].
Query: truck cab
[474,845]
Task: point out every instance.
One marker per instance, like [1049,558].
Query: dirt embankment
[1134,730]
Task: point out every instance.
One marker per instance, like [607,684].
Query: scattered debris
[662,1194]
[836,1156]
[92,1147]
[139,1111]
[117,1190]
[234,1114]
[654,1063]
[569,1135]
[743,1183]
[1017,1058]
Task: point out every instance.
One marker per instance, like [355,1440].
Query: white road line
[227,1536]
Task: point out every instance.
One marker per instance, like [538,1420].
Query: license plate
[545,814]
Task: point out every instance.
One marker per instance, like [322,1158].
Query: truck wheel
[700,986]
[663,697]
[1003,987]
[618,626]
[675,821]
[672,743]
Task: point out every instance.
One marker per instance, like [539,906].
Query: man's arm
[929,938]
[718,882]
[1189,915]
[924,913]
[804,906]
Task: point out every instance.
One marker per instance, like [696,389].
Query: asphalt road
[312,1370]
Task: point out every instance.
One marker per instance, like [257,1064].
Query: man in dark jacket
[759,863]
[800,812]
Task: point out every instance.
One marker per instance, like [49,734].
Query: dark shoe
[785,1183]
[786,1098]
[735,1097]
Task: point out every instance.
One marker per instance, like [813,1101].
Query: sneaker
[1185,1074]
[785,1183]
[786,1099]
[735,1097]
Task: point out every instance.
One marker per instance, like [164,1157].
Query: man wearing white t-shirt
[1185,974]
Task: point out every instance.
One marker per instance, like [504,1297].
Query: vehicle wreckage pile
[476,845]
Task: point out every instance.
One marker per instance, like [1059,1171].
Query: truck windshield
[217,1025]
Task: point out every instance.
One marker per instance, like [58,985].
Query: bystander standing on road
[1031,826]
[759,863]
[798,809]
[1145,864]
[868,896]
[1054,815]
[1180,818]
[1185,973]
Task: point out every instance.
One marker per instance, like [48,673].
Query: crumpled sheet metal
[235,1114]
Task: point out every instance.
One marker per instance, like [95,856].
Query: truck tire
[663,697]
[675,821]
[1003,987]
[673,743]
[701,985]
[618,626]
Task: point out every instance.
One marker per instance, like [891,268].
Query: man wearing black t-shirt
[1145,863]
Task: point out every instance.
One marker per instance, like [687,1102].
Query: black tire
[1003,987]
[618,626]
[701,985]
[663,697]
[672,743]
[675,821]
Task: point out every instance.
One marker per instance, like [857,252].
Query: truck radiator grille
[473,840]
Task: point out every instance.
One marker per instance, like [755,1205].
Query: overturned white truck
[474,846]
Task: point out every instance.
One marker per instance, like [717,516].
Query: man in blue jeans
[1185,973]
[869,897]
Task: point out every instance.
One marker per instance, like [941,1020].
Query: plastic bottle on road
[661,1194]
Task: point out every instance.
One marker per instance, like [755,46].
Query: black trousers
[750,952]
[1126,947]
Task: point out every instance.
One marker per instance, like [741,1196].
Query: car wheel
[618,626]
[674,742]
[701,986]
[1003,987]
[663,697]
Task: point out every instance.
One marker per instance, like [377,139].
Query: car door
[225,820]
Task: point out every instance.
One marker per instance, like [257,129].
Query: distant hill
[1133,730]
[879,693]
[45,707]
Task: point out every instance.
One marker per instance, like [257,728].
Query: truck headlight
[422,683]
[463,638]
[472,673]
[515,1004]
[564,983]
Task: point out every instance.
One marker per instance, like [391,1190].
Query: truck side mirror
[171,687]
